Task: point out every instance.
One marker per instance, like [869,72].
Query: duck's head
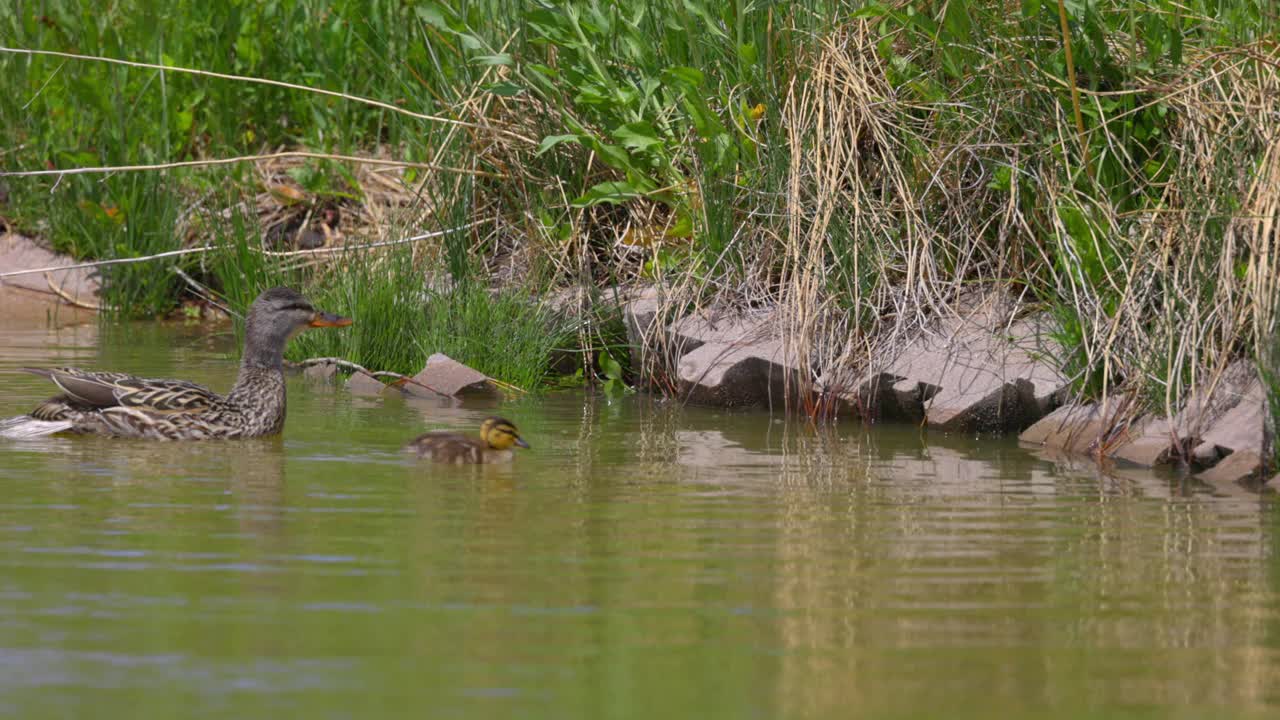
[277,315]
[500,434]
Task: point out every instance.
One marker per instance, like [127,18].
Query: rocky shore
[988,368]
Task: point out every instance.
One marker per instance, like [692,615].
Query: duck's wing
[111,389]
[447,447]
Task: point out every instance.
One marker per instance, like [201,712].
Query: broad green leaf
[612,368]
[680,75]
[637,135]
[957,22]
[683,226]
[432,15]
[503,59]
[611,155]
[1001,179]
[504,89]
[615,192]
[1175,43]
[870,10]
[544,70]
[551,141]
[711,22]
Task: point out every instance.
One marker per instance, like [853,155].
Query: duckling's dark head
[277,315]
[500,434]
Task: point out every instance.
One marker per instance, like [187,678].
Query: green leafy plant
[614,384]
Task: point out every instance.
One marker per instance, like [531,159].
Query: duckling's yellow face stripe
[501,435]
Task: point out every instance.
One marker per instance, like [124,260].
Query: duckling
[497,436]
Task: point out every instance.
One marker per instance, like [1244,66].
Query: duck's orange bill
[324,319]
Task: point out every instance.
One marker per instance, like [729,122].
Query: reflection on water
[643,560]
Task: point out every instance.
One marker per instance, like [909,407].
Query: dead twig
[267,253]
[251,158]
[57,290]
[399,378]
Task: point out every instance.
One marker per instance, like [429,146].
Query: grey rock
[735,360]
[1233,421]
[443,375]
[972,372]
[1221,429]
[20,253]
[1206,454]
[1148,441]
[640,315]
[1238,467]
[1073,428]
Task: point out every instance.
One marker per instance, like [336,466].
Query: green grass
[506,335]
[398,322]
[125,216]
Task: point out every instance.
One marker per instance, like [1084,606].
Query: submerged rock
[973,372]
[365,384]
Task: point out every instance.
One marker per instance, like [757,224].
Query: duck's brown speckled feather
[455,448]
[122,405]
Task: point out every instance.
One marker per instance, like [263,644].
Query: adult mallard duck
[497,437]
[120,405]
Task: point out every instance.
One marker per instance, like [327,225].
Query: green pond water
[642,561]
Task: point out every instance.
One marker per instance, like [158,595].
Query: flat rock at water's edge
[732,360]
[1237,431]
[1221,430]
[21,253]
[975,371]
[1074,428]
[1239,466]
[1274,483]
[443,375]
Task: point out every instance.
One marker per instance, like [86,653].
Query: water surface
[643,561]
